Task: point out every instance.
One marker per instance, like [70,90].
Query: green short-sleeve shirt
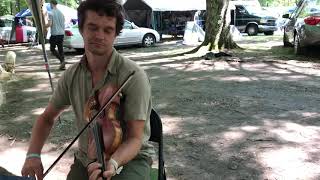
[75,87]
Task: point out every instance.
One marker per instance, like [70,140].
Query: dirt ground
[254,115]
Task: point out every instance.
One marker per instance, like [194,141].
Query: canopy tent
[69,13]
[165,5]
[165,16]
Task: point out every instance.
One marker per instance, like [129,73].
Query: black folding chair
[156,136]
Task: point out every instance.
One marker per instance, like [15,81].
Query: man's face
[98,33]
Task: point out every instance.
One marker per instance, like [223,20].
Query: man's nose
[99,34]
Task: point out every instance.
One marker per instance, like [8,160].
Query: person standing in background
[56,22]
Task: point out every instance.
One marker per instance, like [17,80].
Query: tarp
[193,34]
[165,5]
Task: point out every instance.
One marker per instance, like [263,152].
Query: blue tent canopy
[27,12]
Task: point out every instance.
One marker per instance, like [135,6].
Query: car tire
[148,40]
[79,50]
[298,50]
[268,33]
[252,30]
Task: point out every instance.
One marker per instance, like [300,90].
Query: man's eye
[92,28]
[108,31]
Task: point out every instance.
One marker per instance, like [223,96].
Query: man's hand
[33,168]
[94,171]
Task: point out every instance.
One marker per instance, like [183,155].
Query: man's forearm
[40,132]
[127,151]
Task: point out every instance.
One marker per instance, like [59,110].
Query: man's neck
[98,64]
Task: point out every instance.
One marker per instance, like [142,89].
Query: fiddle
[106,129]
[93,119]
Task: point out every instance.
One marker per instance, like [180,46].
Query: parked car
[253,20]
[303,27]
[130,34]
[282,21]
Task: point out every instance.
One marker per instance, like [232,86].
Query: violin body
[108,121]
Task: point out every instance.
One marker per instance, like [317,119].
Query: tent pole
[35,7]
[36,12]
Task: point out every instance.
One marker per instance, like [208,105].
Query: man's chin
[98,52]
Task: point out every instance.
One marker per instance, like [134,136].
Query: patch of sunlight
[297,77]
[155,61]
[199,78]
[38,75]
[2,95]
[21,118]
[222,65]
[238,79]
[309,114]
[12,159]
[270,78]
[39,87]
[162,105]
[155,77]
[234,135]
[297,133]
[250,129]
[171,125]
[150,54]
[38,111]
[289,162]
[298,67]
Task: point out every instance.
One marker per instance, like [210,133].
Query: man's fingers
[108,174]
[39,173]
[93,166]
[28,172]
[95,174]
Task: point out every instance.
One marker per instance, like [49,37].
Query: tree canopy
[14,6]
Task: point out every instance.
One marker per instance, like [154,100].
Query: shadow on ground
[251,116]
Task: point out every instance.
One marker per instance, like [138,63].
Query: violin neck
[97,132]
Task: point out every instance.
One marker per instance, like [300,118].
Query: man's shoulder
[57,12]
[128,64]
[70,72]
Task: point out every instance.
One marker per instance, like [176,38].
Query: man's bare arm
[131,146]
[42,128]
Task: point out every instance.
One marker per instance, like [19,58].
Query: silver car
[130,34]
[303,27]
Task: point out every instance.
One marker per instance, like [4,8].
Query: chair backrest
[156,136]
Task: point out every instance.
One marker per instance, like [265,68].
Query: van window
[241,10]
[253,9]
[5,23]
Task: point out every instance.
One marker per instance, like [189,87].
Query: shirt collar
[111,66]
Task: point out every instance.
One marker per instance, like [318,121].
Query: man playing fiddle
[100,21]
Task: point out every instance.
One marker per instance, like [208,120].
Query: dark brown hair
[54,2]
[104,8]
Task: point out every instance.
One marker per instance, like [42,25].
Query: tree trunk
[218,19]
[214,22]
[226,41]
